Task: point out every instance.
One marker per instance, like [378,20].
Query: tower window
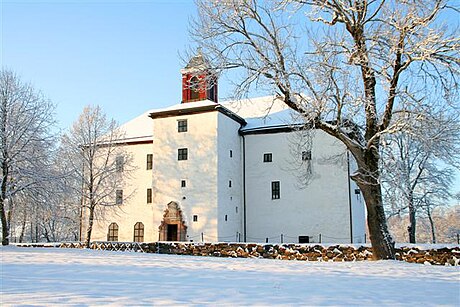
[195,218]
[194,89]
[226,217]
[182,125]
[182,154]
[231,154]
[183,183]
[268,157]
[149,161]
[149,196]
[229,183]
[306,155]
[275,190]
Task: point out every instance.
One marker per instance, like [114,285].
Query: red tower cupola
[198,81]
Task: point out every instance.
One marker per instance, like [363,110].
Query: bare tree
[26,119]
[98,163]
[418,166]
[346,65]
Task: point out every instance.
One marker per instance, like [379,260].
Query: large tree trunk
[382,243]
[90,227]
[368,182]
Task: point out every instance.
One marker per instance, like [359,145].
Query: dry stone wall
[302,252]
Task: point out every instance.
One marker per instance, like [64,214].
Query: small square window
[275,189]
[229,183]
[268,157]
[183,183]
[149,161]
[182,154]
[195,218]
[182,125]
[306,155]
[357,191]
[149,196]
[119,197]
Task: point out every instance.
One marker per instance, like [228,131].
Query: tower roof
[197,62]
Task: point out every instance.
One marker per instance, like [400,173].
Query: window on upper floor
[119,162]
[306,155]
[149,161]
[182,154]
[183,183]
[149,196]
[231,154]
[275,190]
[229,183]
[268,157]
[182,125]
[195,218]
[139,232]
[113,232]
[119,197]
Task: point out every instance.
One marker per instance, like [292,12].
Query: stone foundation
[302,252]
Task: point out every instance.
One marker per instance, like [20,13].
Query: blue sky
[122,55]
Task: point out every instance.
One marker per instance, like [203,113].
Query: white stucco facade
[224,188]
[208,180]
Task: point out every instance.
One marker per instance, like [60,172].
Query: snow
[49,276]
[285,118]
[255,107]
[260,112]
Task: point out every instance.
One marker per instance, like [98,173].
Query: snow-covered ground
[49,276]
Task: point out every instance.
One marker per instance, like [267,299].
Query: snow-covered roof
[138,129]
[282,119]
[259,113]
[255,107]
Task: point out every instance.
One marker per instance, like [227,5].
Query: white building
[230,172]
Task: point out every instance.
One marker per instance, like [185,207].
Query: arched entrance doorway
[172,228]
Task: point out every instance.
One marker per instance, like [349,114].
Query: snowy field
[48,276]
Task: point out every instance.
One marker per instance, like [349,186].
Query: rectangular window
[195,218]
[149,161]
[119,197]
[183,183]
[268,157]
[231,154]
[182,125]
[182,154]
[229,183]
[275,190]
[226,217]
[149,196]
[119,161]
[306,155]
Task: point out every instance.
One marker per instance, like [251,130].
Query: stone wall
[303,252]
